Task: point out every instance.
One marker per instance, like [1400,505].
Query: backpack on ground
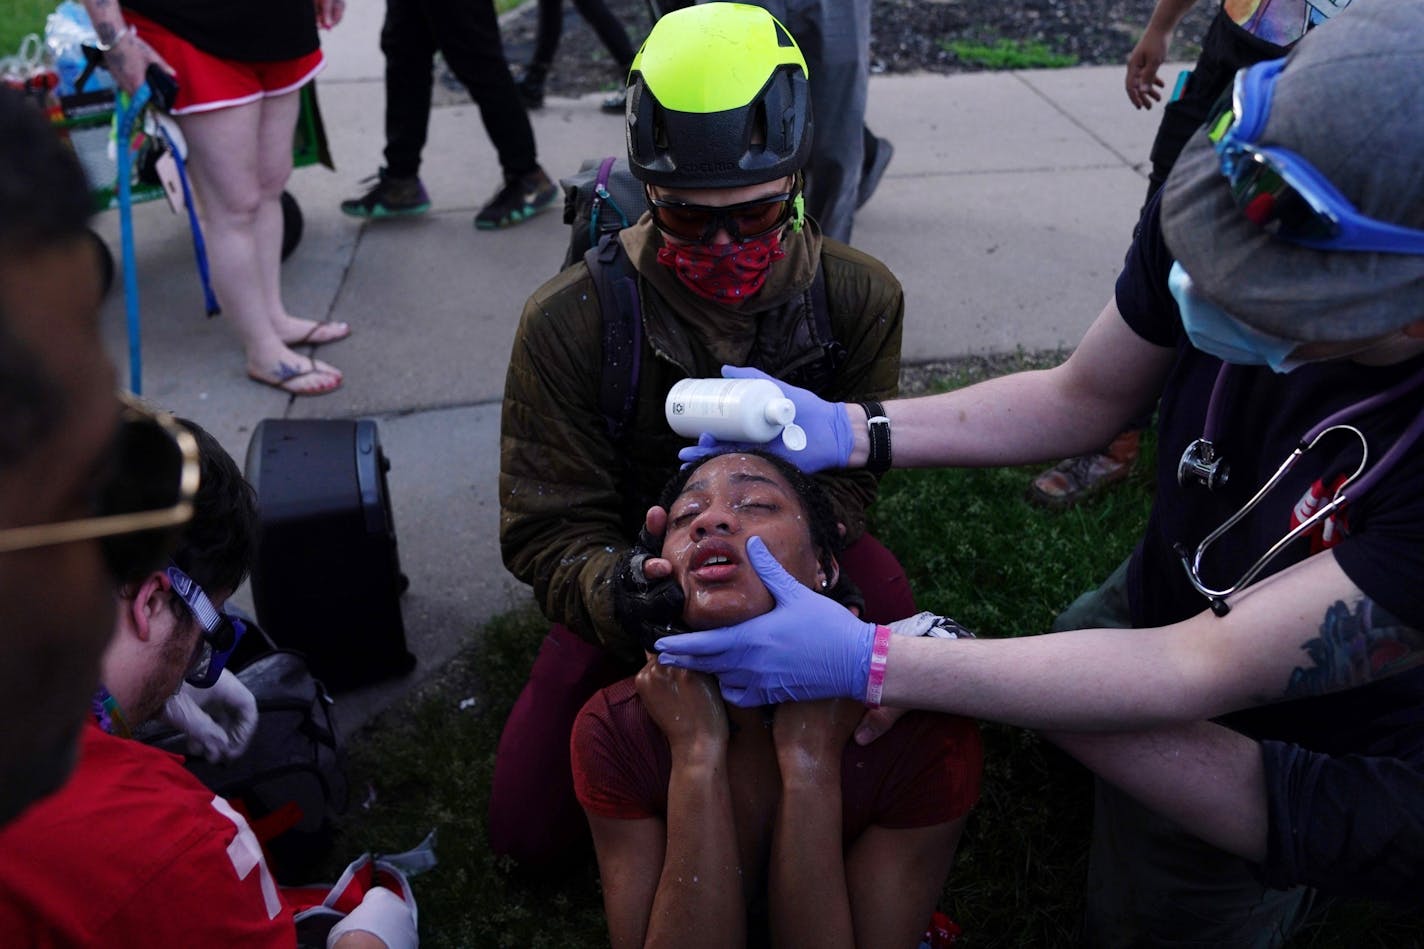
[291,782]
[601,199]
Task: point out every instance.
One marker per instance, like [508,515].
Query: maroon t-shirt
[924,771]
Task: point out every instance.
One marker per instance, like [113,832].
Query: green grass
[1009,54]
[974,549]
[19,17]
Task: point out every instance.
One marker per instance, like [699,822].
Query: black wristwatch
[878,426]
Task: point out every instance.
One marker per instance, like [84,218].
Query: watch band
[878,427]
[103,47]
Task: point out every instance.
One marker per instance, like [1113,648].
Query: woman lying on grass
[719,826]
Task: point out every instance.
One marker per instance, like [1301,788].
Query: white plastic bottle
[733,410]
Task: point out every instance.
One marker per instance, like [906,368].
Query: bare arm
[1281,640]
[810,903]
[1204,776]
[1029,416]
[128,56]
[679,883]
[1150,52]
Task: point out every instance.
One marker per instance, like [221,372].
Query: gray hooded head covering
[1350,101]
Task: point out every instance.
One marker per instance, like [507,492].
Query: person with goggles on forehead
[1252,676]
[727,269]
[134,850]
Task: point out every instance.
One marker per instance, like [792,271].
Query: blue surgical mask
[1217,333]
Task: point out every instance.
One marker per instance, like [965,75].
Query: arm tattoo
[1354,649]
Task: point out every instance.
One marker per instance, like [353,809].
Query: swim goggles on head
[1280,191]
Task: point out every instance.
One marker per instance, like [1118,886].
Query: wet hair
[44,203]
[820,517]
[217,546]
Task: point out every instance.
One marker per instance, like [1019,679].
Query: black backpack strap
[820,373]
[617,284]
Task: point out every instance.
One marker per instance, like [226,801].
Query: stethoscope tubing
[1354,487]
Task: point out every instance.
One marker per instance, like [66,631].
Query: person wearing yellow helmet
[727,269]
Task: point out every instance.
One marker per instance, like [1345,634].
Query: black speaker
[327,581]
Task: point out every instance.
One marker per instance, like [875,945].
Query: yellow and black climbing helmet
[718,98]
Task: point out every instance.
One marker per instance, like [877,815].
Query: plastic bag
[67,30]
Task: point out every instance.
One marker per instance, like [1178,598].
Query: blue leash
[200,247]
[130,107]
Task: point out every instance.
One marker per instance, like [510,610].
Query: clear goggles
[220,632]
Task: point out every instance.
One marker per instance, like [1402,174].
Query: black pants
[1225,49]
[604,23]
[467,34]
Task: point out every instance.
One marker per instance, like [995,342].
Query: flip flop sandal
[309,338]
[286,384]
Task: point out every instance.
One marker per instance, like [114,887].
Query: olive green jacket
[571,500]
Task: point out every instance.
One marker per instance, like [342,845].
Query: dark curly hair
[820,517]
[217,546]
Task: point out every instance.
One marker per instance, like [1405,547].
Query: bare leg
[275,127]
[224,164]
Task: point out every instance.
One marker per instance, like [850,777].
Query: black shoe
[390,196]
[878,153]
[518,199]
[531,87]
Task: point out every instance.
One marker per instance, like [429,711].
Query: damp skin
[728,500]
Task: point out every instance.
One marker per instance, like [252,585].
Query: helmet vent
[759,128]
[783,38]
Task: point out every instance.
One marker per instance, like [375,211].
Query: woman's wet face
[727,500]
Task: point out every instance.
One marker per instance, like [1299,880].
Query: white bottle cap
[794,437]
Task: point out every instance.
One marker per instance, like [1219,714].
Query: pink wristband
[879,652]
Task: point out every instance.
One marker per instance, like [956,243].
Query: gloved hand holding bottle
[826,426]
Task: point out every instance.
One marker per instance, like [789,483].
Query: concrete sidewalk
[1005,214]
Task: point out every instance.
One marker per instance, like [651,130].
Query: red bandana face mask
[723,273]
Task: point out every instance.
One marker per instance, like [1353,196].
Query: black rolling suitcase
[327,581]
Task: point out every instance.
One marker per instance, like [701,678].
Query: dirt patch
[906,35]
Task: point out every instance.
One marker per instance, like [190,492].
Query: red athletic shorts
[207,82]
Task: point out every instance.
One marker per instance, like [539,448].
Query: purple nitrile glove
[807,647]
[826,424]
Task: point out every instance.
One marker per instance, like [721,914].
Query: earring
[825,584]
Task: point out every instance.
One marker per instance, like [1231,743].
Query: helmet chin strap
[798,213]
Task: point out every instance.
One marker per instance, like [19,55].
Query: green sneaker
[518,199]
[389,196]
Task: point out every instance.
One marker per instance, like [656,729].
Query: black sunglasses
[742,222]
[140,509]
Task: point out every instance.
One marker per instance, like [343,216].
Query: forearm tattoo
[103,27]
[1355,648]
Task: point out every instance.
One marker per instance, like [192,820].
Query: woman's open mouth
[714,561]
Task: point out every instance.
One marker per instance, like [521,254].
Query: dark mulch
[906,35]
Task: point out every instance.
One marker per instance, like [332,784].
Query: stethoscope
[1203,463]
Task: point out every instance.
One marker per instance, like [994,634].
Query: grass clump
[19,18]
[1008,54]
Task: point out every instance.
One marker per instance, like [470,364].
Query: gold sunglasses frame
[32,536]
